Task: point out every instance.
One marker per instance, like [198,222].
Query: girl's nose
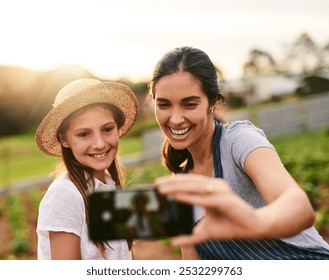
[98,142]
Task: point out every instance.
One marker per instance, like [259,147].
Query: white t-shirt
[62,209]
[142,231]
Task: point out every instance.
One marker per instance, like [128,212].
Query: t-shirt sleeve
[61,209]
[247,138]
[132,221]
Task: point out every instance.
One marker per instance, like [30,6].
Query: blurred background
[274,60]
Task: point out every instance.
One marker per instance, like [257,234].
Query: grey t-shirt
[238,139]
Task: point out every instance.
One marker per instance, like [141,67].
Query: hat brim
[113,93]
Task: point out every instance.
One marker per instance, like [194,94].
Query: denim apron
[249,249]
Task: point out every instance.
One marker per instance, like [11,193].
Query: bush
[18,224]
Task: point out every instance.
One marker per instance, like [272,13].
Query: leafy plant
[306,157]
[35,196]
[18,224]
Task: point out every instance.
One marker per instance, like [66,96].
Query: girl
[251,207]
[84,127]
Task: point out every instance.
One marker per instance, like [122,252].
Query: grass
[310,144]
[20,158]
[305,155]
[145,174]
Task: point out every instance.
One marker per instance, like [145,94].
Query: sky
[125,38]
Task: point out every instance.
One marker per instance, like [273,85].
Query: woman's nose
[176,116]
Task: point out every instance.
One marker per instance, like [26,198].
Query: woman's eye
[190,105]
[163,105]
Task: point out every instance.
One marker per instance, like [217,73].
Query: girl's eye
[108,129]
[83,134]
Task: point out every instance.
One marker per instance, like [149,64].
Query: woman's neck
[202,155]
[203,167]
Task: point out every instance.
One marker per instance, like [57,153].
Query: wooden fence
[276,120]
[287,118]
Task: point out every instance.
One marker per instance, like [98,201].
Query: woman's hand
[227,216]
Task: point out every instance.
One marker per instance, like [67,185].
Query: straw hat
[78,94]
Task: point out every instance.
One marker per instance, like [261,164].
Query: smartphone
[137,213]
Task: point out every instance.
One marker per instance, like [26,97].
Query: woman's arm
[64,246]
[288,209]
[227,216]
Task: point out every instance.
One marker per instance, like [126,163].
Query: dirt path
[155,250]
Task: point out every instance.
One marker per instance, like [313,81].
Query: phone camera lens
[106,216]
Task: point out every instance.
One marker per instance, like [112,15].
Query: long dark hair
[198,64]
[81,175]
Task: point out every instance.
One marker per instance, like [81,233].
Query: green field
[305,155]
[20,159]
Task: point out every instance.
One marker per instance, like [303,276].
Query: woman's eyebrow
[183,100]
[190,98]
[161,99]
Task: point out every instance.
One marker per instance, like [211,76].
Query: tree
[303,56]
[259,62]
[324,58]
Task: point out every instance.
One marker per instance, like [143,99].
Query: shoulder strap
[216,150]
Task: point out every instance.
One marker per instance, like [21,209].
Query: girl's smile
[94,139]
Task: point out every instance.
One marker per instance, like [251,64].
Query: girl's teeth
[99,156]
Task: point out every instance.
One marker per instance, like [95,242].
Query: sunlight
[42,41]
[126,38]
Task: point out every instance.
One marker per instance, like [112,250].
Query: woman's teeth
[180,132]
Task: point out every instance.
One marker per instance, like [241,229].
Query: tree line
[26,96]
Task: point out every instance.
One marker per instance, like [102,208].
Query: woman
[139,221]
[251,207]
[83,128]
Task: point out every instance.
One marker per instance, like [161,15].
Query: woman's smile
[179,133]
[182,111]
